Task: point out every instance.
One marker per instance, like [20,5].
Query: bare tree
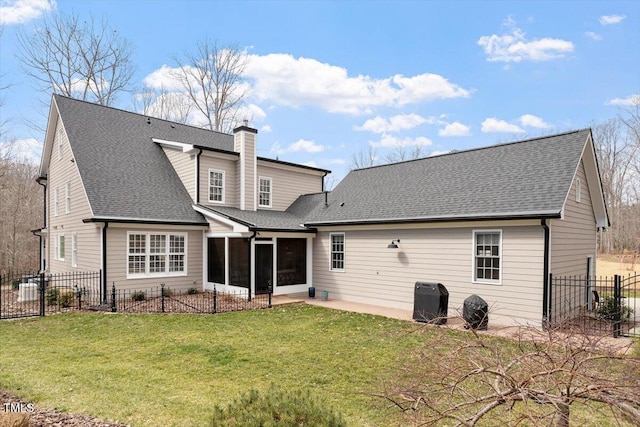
[212,78]
[174,106]
[83,60]
[535,382]
[401,152]
[364,158]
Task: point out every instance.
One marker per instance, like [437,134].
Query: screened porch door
[264,268]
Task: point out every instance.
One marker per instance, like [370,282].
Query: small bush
[193,291]
[278,408]
[14,419]
[52,296]
[65,299]
[167,292]
[607,309]
[139,296]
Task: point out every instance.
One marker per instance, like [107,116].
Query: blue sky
[330,79]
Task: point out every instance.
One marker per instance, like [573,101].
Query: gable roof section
[261,220]
[127,176]
[526,179]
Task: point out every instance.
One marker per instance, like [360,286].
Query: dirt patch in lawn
[34,416]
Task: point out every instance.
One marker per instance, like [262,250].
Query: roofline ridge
[139,114]
[451,153]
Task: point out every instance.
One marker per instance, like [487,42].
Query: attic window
[578,190]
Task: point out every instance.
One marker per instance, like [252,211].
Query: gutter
[546,294]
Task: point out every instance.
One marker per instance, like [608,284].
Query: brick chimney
[244,142]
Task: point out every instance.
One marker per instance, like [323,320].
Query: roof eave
[144,221]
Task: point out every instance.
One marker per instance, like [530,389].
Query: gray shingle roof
[125,174]
[262,219]
[523,179]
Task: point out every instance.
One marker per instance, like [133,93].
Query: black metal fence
[604,305]
[27,295]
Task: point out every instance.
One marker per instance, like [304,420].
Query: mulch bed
[46,417]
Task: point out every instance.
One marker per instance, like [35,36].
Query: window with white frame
[67,197]
[60,148]
[337,251]
[156,254]
[56,201]
[216,186]
[578,190]
[60,247]
[487,256]
[264,192]
[74,250]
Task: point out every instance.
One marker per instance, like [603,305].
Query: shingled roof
[526,179]
[125,174]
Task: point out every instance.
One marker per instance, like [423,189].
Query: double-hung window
[60,146]
[487,256]
[56,201]
[156,254]
[59,247]
[74,250]
[264,192]
[216,186]
[67,197]
[337,251]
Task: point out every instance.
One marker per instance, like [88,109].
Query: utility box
[476,312]
[430,303]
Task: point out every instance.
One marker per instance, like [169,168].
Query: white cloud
[163,78]
[306,145]
[530,120]
[628,101]
[592,35]
[455,129]
[22,150]
[389,141]
[298,82]
[336,161]
[311,164]
[393,124]
[494,125]
[265,128]
[21,11]
[611,19]
[514,46]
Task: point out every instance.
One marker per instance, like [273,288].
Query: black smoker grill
[430,303]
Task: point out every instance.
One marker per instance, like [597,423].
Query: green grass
[151,370]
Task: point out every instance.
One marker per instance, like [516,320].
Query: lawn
[170,370]
[151,370]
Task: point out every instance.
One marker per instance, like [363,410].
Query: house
[148,201]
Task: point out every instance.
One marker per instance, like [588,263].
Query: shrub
[166,292]
[14,419]
[193,291]
[139,296]
[607,309]
[276,407]
[65,299]
[52,296]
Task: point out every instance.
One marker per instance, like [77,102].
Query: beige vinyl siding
[117,260]
[377,275]
[250,179]
[288,183]
[209,161]
[60,172]
[217,227]
[184,165]
[573,238]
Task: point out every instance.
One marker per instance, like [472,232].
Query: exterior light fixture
[393,244]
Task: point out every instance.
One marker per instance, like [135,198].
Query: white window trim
[59,239]
[55,247]
[344,252]
[74,250]
[60,148]
[578,190]
[266,178]
[56,201]
[67,197]
[223,186]
[473,257]
[147,254]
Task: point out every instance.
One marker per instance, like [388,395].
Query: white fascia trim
[237,228]
[186,148]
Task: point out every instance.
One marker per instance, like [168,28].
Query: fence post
[617,306]
[162,297]
[41,289]
[270,291]
[79,296]
[113,298]
[215,300]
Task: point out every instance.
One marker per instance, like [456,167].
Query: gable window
[67,197]
[337,251]
[60,144]
[156,254]
[74,250]
[487,256]
[216,186]
[56,201]
[264,192]
[578,190]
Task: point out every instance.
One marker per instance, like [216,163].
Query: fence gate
[629,303]
[28,295]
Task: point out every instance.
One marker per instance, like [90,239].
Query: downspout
[104,262]
[323,177]
[198,176]
[44,218]
[546,295]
